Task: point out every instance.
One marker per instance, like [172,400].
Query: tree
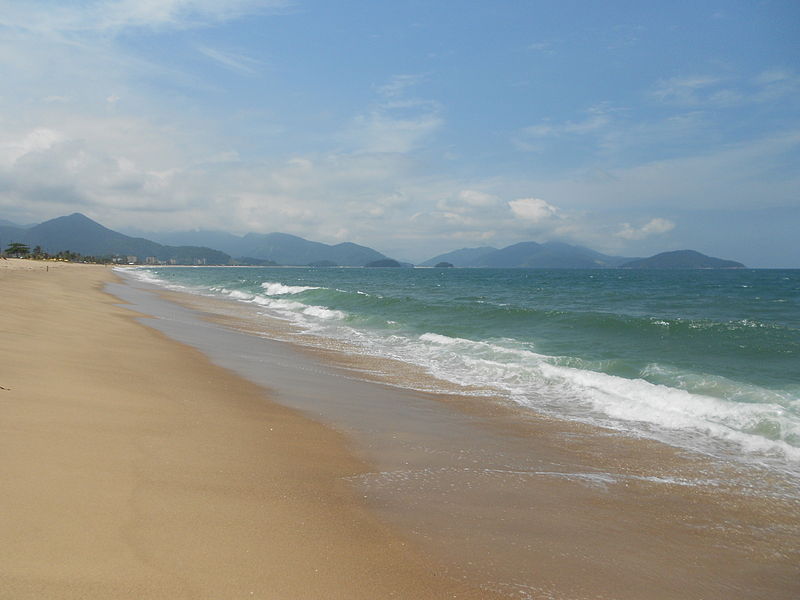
[17,249]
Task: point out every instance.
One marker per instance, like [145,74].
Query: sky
[413,127]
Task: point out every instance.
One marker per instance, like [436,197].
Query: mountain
[282,248]
[219,240]
[10,233]
[532,255]
[465,257]
[78,233]
[682,259]
[384,262]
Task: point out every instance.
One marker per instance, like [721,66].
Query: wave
[273,288]
[446,338]
[540,382]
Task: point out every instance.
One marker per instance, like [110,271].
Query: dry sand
[131,467]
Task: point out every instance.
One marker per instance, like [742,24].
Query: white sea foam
[141,275]
[273,288]
[545,383]
[706,413]
[237,295]
[323,313]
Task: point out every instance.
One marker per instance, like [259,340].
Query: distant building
[132,260]
[151,260]
[173,261]
[199,261]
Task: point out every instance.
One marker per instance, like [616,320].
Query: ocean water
[706,360]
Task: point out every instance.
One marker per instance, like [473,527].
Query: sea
[705,360]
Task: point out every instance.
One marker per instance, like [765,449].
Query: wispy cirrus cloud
[113,16]
[398,85]
[534,138]
[239,63]
[724,91]
[394,127]
[398,122]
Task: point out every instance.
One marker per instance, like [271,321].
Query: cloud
[398,85]
[652,227]
[37,140]
[239,63]
[114,16]
[396,124]
[468,201]
[477,198]
[532,138]
[384,130]
[533,210]
[684,90]
[597,120]
[713,91]
[542,47]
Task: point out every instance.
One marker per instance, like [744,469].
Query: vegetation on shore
[20,250]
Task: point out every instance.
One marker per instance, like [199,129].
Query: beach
[134,468]
[160,444]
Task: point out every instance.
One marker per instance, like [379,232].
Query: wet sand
[132,467]
[526,506]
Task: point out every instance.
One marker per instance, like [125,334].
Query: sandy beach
[181,450]
[134,468]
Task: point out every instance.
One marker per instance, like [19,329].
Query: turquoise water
[704,359]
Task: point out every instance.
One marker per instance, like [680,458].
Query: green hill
[531,255]
[78,233]
[682,259]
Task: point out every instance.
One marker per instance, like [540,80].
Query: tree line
[20,250]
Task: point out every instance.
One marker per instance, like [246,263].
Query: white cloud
[239,63]
[468,201]
[653,227]
[395,124]
[399,85]
[548,129]
[395,127]
[476,198]
[533,210]
[14,148]
[713,91]
[684,90]
[542,47]
[112,16]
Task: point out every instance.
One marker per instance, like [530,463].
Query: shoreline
[133,467]
[522,505]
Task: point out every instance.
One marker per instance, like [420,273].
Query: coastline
[133,467]
[528,507]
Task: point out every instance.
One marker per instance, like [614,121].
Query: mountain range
[281,248]
[682,259]
[531,255]
[78,233]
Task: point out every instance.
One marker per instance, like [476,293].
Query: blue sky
[412,127]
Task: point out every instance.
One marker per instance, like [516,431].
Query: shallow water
[707,360]
[528,506]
